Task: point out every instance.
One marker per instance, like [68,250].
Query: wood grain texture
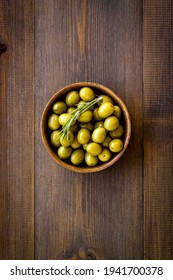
[158,129]
[17,134]
[126,211]
[89,216]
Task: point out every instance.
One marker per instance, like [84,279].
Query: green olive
[77,156]
[86,116]
[118,132]
[83,136]
[96,115]
[84,146]
[99,124]
[63,118]
[99,135]
[67,140]
[88,125]
[92,108]
[64,152]
[90,160]
[70,110]
[106,141]
[105,110]
[86,94]
[82,102]
[117,111]
[105,155]
[94,149]
[105,98]
[111,123]
[55,138]
[74,128]
[75,144]
[72,98]
[53,122]
[116,145]
[59,107]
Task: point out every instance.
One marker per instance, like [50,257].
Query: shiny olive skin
[90,160]
[116,145]
[83,136]
[105,155]
[53,122]
[66,141]
[72,98]
[63,118]
[94,149]
[99,124]
[111,123]
[77,156]
[118,132]
[117,111]
[85,117]
[59,107]
[86,94]
[105,110]
[95,136]
[84,146]
[96,115]
[55,138]
[70,110]
[64,152]
[104,99]
[99,135]
[82,102]
[75,144]
[88,125]
[106,142]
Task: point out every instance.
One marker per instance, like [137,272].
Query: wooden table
[126,211]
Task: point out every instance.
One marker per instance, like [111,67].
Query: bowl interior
[60,95]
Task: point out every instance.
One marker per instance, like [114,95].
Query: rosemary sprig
[81,108]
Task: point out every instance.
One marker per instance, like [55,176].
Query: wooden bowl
[99,89]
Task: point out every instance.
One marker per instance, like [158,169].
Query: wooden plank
[17,130]
[88,216]
[158,129]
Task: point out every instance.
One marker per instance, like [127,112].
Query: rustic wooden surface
[17,130]
[158,129]
[124,212]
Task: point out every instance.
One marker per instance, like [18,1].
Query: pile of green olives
[94,136]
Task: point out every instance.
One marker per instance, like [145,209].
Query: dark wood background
[126,211]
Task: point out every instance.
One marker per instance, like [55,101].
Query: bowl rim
[109,92]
